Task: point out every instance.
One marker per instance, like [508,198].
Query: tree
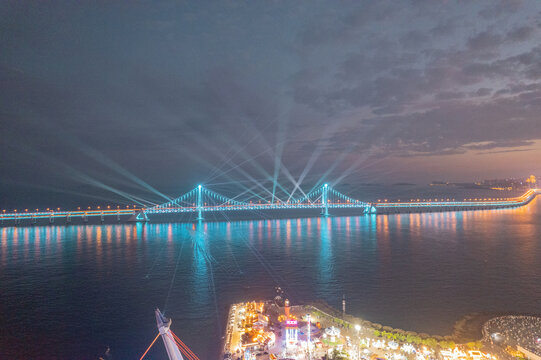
[477,345]
[339,355]
[431,342]
[447,344]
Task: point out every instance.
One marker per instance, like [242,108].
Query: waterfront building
[291,333]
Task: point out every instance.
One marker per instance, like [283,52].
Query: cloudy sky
[99,99]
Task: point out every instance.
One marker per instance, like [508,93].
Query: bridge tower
[199,203]
[325,200]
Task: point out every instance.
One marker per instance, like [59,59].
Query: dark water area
[68,292]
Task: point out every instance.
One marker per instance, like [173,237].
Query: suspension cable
[180,347]
[152,343]
[187,348]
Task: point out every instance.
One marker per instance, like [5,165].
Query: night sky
[104,99]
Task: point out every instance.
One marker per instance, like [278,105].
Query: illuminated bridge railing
[253,207]
[83,214]
[462,205]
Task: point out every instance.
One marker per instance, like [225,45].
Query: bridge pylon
[325,200]
[199,203]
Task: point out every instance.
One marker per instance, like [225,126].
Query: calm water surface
[69,292]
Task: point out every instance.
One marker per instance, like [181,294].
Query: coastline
[469,328]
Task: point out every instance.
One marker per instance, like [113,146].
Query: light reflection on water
[75,290]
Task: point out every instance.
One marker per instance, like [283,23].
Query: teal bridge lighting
[201,200]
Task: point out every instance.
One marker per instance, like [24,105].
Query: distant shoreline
[467,329]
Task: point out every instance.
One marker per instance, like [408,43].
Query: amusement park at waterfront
[278,330]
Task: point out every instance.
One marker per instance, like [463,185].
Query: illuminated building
[532,180]
[261,322]
[291,333]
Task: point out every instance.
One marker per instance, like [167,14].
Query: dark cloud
[449,95]
[444,28]
[484,41]
[179,92]
[500,8]
[522,33]
[449,129]
[414,39]
[483,92]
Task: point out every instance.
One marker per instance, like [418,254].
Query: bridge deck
[380,207]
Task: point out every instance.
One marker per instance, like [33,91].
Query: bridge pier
[370,209]
[139,216]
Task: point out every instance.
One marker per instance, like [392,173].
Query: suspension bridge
[201,201]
